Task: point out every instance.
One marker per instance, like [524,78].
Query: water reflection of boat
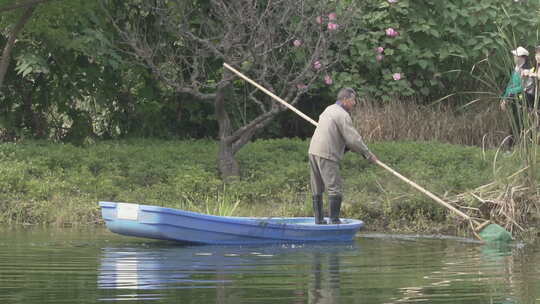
[154,273]
[162,268]
[191,227]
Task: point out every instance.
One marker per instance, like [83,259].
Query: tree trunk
[227,164]
[6,54]
[231,141]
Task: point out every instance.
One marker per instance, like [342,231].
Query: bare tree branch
[185,44]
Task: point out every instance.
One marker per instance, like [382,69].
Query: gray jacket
[335,132]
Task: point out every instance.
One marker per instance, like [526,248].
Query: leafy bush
[431,45]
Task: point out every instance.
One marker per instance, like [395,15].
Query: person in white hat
[521,61]
[515,90]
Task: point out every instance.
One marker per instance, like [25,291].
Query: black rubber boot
[335,207]
[318,210]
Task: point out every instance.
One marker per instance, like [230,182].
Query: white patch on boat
[203,253]
[127,211]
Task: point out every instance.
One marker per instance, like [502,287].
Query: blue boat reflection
[150,272]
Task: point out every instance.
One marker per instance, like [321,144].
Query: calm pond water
[95,266]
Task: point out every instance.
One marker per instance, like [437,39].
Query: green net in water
[495,233]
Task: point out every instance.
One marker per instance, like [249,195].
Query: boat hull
[190,227]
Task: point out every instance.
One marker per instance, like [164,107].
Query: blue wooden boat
[190,227]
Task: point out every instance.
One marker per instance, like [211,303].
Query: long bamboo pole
[378,162]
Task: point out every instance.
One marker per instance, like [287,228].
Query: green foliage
[60,184]
[438,44]
[30,63]
[70,80]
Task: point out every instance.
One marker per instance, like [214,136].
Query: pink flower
[301,86]
[396,76]
[380,50]
[317,65]
[328,80]
[379,57]
[297,43]
[390,32]
[392,1]
[332,16]
[332,26]
[318,19]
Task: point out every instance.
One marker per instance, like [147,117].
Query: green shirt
[514,86]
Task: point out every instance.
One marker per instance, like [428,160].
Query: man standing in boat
[334,133]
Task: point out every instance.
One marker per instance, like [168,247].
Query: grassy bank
[57,184]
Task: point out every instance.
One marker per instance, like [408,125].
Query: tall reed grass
[482,125]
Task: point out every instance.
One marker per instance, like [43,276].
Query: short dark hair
[346,93]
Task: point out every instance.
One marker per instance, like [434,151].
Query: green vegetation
[430,71]
[72,74]
[439,45]
[60,184]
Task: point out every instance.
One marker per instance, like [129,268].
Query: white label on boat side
[127,211]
